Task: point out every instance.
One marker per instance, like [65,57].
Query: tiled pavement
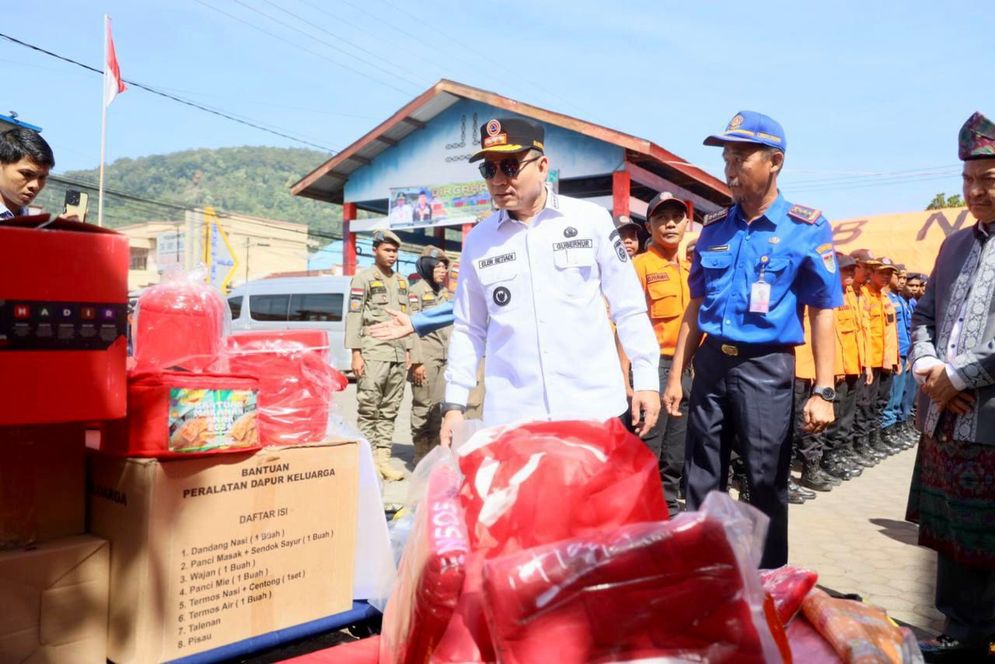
[855,536]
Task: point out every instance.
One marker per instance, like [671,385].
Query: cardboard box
[54,601]
[63,321]
[211,551]
[42,476]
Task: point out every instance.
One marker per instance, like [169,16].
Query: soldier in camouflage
[379,366]
[428,353]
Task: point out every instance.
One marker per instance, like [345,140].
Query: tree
[941,200]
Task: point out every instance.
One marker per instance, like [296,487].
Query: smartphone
[76,202]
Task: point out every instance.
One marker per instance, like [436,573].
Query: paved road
[855,536]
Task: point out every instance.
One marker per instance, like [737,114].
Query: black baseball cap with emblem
[509,135]
[664,198]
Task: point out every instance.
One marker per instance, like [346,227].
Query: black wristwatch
[827,393]
[447,406]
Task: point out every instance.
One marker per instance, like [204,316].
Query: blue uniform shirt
[903,321]
[791,245]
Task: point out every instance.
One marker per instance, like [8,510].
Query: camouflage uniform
[429,351]
[381,388]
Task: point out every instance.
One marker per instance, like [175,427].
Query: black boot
[877,445]
[865,453]
[889,438]
[814,478]
[834,466]
[796,495]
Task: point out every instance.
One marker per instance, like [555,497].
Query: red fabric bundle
[430,576]
[653,590]
[296,382]
[177,414]
[180,321]
[540,483]
[788,586]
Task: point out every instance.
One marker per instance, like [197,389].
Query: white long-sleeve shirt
[533,297]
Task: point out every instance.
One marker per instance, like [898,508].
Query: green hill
[246,180]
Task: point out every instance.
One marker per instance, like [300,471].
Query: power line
[301,47]
[171,97]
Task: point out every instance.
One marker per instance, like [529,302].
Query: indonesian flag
[113,85]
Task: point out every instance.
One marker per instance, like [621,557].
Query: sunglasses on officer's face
[510,166]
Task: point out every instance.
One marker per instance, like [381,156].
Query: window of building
[317,307]
[269,307]
[139,259]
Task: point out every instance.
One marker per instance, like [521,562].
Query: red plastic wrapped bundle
[539,483]
[685,590]
[859,632]
[430,576]
[788,586]
[180,321]
[364,651]
[296,382]
[178,413]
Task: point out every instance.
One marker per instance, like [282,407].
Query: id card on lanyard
[760,292]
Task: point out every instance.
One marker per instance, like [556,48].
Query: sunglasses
[510,166]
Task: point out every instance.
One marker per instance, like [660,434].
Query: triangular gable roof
[327,182]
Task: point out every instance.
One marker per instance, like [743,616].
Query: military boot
[798,495]
[814,478]
[387,471]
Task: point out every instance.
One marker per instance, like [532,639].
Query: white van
[296,303]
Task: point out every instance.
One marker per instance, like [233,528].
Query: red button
[88,313]
[22,311]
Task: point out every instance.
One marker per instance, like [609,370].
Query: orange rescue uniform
[667,296]
[882,330]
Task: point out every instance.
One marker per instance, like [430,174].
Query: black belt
[747,350]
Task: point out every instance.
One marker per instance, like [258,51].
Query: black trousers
[966,596]
[667,439]
[871,402]
[748,397]
[839,435]
[808,447]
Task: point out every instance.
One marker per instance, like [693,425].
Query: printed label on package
[201,420]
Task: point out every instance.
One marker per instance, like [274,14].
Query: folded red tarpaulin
[788,586]
[364,651]
[539,483]
[680,590]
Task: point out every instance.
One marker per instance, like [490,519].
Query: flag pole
[103,133]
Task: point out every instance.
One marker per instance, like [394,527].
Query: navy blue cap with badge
[509,135]
[751,127]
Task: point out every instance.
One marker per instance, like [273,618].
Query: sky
[871,94]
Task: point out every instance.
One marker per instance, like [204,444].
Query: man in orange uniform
[866,264]
[882,348]
[808,447]
[663,273]
[839,459]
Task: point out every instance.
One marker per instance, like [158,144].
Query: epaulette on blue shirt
[712,217]
[806,214]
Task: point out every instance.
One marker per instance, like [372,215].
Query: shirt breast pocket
[664,302]
[774,270]
[500,284]
[716,266]
[574,271]
[378,296]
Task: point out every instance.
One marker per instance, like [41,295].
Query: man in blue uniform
[755,267]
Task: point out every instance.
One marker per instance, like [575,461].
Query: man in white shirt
[536,277]
[25,161]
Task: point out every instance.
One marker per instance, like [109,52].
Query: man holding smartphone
[25,162]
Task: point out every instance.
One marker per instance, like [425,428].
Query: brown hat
[864,257]
[386,236]
[434,252]
[661,199]
[887,264]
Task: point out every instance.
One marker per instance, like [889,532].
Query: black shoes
[813,477]
[948,649]
[797,495]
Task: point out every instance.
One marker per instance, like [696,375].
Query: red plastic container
[174,414]
[180,322]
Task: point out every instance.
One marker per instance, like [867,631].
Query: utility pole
[248,245]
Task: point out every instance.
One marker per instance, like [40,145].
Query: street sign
[170,249]
[222,264]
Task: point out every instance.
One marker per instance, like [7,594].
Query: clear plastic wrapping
[180,321]
[858,632]
[788,585]
[296,382]
[538,483]
[431,573]
[685,590]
